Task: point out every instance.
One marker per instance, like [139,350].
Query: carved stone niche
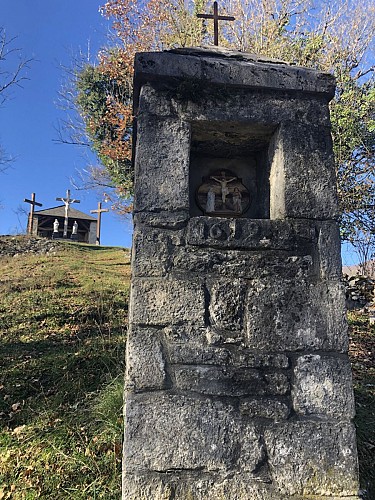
[231,165]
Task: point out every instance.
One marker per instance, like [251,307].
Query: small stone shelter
[43,220]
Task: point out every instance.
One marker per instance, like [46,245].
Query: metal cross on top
[67,201]
[215,16]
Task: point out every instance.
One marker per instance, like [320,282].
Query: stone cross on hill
[215,16]
[67,201]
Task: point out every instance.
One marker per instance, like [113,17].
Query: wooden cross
[67,201]
[99,211]
[215,16]
[33,203]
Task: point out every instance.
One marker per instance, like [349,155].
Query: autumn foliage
[336,36]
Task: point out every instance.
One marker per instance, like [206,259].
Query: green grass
[362,355]
[63,319]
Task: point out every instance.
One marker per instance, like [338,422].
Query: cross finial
[215,16]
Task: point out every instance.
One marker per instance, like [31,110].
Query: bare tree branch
[9,77]
[15,75]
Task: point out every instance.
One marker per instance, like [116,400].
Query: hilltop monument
[238,384]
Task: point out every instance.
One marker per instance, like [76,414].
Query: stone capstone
[223,70]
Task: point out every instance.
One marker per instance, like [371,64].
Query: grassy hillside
[362,357]
[63,320]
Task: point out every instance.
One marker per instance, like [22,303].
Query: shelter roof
[60,212]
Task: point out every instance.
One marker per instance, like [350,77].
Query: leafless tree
[12,73]
[22,217]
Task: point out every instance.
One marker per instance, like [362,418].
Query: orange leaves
[153,24]
[117,66]
[117,118]
[139,26]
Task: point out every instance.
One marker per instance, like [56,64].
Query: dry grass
[362,356]
[63,320]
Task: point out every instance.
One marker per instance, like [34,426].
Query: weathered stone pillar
[238,384]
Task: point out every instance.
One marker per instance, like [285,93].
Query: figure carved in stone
[223,194]
[237,200]
[223,181]
[210,206]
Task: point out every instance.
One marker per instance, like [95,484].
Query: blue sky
[49,32]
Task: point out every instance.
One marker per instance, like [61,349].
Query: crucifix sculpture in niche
[223,194]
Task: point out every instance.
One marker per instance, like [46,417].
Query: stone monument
[238,384]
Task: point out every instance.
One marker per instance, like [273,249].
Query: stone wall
[12,246]
[238,385]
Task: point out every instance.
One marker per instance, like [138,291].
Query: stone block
[153,249]
[167,432]
[252,234]
[194,353]
[222,69]
[288,315]
[162,219]
[322,385]
[160,144]
[309,193]
[155,102]
[265,408]
[186,333]
[329,250]
[243,264]
[226,307]
[150,255]
[245,107]
[180,486]
[313,458]
[245,358]
[198,354]
[169,301]
[228,381]
[145,361]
